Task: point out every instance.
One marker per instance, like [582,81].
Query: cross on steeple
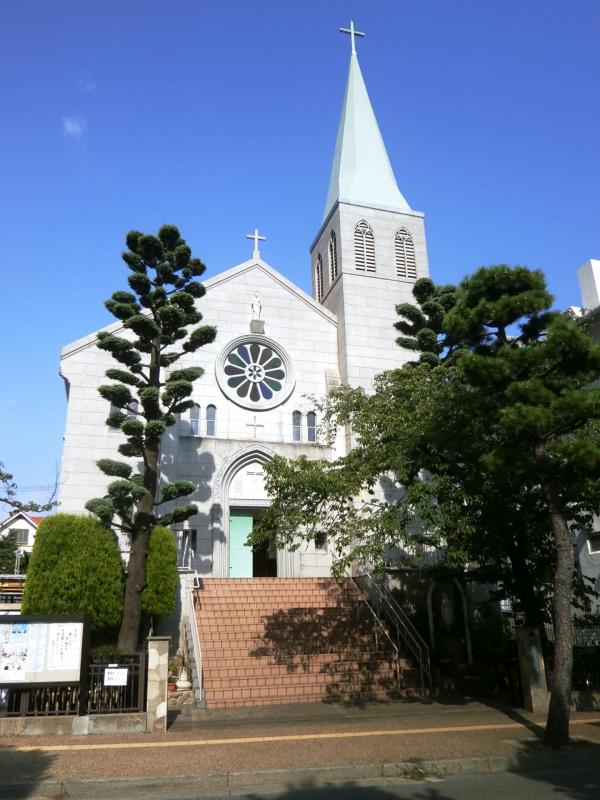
[257,238]
[351,30]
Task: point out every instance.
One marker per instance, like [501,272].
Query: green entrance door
[240,554]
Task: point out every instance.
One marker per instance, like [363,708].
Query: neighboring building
[276,349]
[25,527]
[588,542]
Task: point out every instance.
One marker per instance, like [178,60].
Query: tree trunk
[557,725]
[134,586]
[143,523]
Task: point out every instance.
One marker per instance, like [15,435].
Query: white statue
[256,306]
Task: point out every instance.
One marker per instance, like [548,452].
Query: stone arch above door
[233,464]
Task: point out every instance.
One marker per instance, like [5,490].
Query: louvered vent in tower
[333,264]
[364,247]
[319,278]
[406,265]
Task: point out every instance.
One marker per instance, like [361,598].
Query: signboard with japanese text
[115,676]
[40,650]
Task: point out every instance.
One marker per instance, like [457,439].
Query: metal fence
[96,698]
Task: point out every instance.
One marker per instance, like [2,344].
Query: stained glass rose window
[255,372]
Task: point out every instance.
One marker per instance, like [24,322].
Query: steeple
[361,173]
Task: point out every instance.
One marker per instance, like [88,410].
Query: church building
[276,349]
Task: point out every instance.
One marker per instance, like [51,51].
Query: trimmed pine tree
[160,319]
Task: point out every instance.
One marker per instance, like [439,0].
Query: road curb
[231,783]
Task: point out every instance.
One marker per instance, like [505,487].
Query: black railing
[64,700]
[406,635]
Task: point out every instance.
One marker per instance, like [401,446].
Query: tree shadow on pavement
[21,772]
[572,771]
[348,791]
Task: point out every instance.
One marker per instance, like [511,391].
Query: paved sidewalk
[222,750]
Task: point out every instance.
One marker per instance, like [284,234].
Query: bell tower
[370,248]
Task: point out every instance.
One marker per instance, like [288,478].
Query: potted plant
[183,681]
[174,671]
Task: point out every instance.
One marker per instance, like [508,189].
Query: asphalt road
[580,784]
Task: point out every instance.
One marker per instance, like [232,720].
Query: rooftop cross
[257,238]
[352,33]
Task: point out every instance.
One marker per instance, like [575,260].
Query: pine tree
[158,317]
[488,447]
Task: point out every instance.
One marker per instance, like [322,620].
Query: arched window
[364,247]
[406,264]
[194,428]
[211,420]
[311,426]
[296,426]
[332,251]
[319,277]
[132,408]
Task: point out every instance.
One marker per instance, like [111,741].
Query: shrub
[75,567]
[158,597]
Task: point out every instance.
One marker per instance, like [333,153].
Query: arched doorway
[247,501]
[240,500]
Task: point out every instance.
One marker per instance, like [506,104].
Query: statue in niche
[256,306]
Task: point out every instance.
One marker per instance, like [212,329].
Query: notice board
[41,650]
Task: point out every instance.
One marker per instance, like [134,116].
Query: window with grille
[406,265]
[211,420]
[22,535]
[319,277]
[321,541]
[332,250]
[296,426]
[311,426]
[364,247]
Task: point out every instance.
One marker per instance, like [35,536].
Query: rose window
[254,372]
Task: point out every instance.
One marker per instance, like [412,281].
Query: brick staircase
[292,640]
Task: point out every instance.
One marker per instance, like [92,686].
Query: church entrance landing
[245,561]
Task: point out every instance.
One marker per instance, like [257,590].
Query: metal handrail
[189,616]
[386,633]
[387,607]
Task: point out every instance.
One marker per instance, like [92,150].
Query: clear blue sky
[220,116]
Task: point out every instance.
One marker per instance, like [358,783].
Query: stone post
[158,669]
[533,672]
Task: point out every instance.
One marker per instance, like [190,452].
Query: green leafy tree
[488,447]
[158,597]
[158,316]
[75,567]
[8,553]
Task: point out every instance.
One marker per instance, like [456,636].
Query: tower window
[296,426]
[332,251]
[319,277]
[211,420]
[406,265]
[364,247]
[132,408]
[311,426]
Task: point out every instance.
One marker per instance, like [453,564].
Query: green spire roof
[361,173]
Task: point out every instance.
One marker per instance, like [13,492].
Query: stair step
[279,640]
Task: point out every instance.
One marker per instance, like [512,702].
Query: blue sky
[222,116]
